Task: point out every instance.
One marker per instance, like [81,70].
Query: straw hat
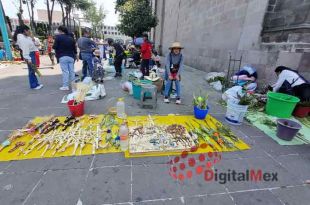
[152,77]
[176,45]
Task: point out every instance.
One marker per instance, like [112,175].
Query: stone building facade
[266,33]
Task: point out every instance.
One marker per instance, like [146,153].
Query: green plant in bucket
[246,99]
[200,101]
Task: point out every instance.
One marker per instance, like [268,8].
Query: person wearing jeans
[66,52]
[34,84]
[173,69]
[67,67]
[87,64]
[25,43]
[87,47]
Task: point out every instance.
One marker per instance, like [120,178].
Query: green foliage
[200,101]
[217,78]
[83,4]
[246,99]
[41,29]
[304,104]
[96,18]
[136,17]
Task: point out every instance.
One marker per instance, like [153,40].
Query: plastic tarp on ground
[258,118]
[87,150]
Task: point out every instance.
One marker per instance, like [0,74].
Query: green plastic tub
[280,105]
[136,87]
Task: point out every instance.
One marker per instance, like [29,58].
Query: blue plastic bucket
[136,88]
[200,114]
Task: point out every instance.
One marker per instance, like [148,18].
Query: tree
[31,6]
[50,9]
[68,5]
[20,13]
[136,17]
[96,18]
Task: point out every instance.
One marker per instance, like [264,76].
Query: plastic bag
[232,94]
[95,93]
[87,80]
[217,85]
[212,75]
[127,87]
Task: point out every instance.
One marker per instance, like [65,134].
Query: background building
[266,33]
[114,33]
[42,20]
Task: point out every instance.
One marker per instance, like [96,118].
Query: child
[173,70]
[2,54]
[98,73]
[156,59]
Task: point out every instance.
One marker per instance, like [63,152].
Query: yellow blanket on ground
[87,150]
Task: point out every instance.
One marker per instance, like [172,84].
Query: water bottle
[123,133]
[120,108]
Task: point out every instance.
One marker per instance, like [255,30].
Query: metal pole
[5,35]
[228,71]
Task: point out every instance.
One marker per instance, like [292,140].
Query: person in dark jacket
[146,55]
[119,56]
[66,52]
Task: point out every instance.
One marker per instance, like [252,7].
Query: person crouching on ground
[25,43]
[292,83]
[146,55]
[246,77]
[66,53]
[119,56]
[173,70]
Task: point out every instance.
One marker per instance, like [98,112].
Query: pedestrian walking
[50,51]
[66,54]
[146,55]
[37,43]
[22,37]
[87,47]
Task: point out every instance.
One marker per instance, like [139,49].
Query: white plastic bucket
[235,113]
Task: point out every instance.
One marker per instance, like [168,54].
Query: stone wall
[211,30]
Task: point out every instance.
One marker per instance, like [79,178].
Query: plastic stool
[145,101]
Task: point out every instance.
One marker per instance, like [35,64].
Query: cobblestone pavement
[112,179]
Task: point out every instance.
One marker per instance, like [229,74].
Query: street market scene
[154,102]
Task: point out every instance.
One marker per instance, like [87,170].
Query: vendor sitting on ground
[292,83]
[246,78]
[173,70]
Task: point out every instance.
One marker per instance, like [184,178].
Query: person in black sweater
[65,48]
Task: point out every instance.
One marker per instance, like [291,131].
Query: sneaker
[178,101]
[64,88]
[166,100]
[38,87]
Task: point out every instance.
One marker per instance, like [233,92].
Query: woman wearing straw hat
[174,67]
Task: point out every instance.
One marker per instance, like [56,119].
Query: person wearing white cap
[173,69]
